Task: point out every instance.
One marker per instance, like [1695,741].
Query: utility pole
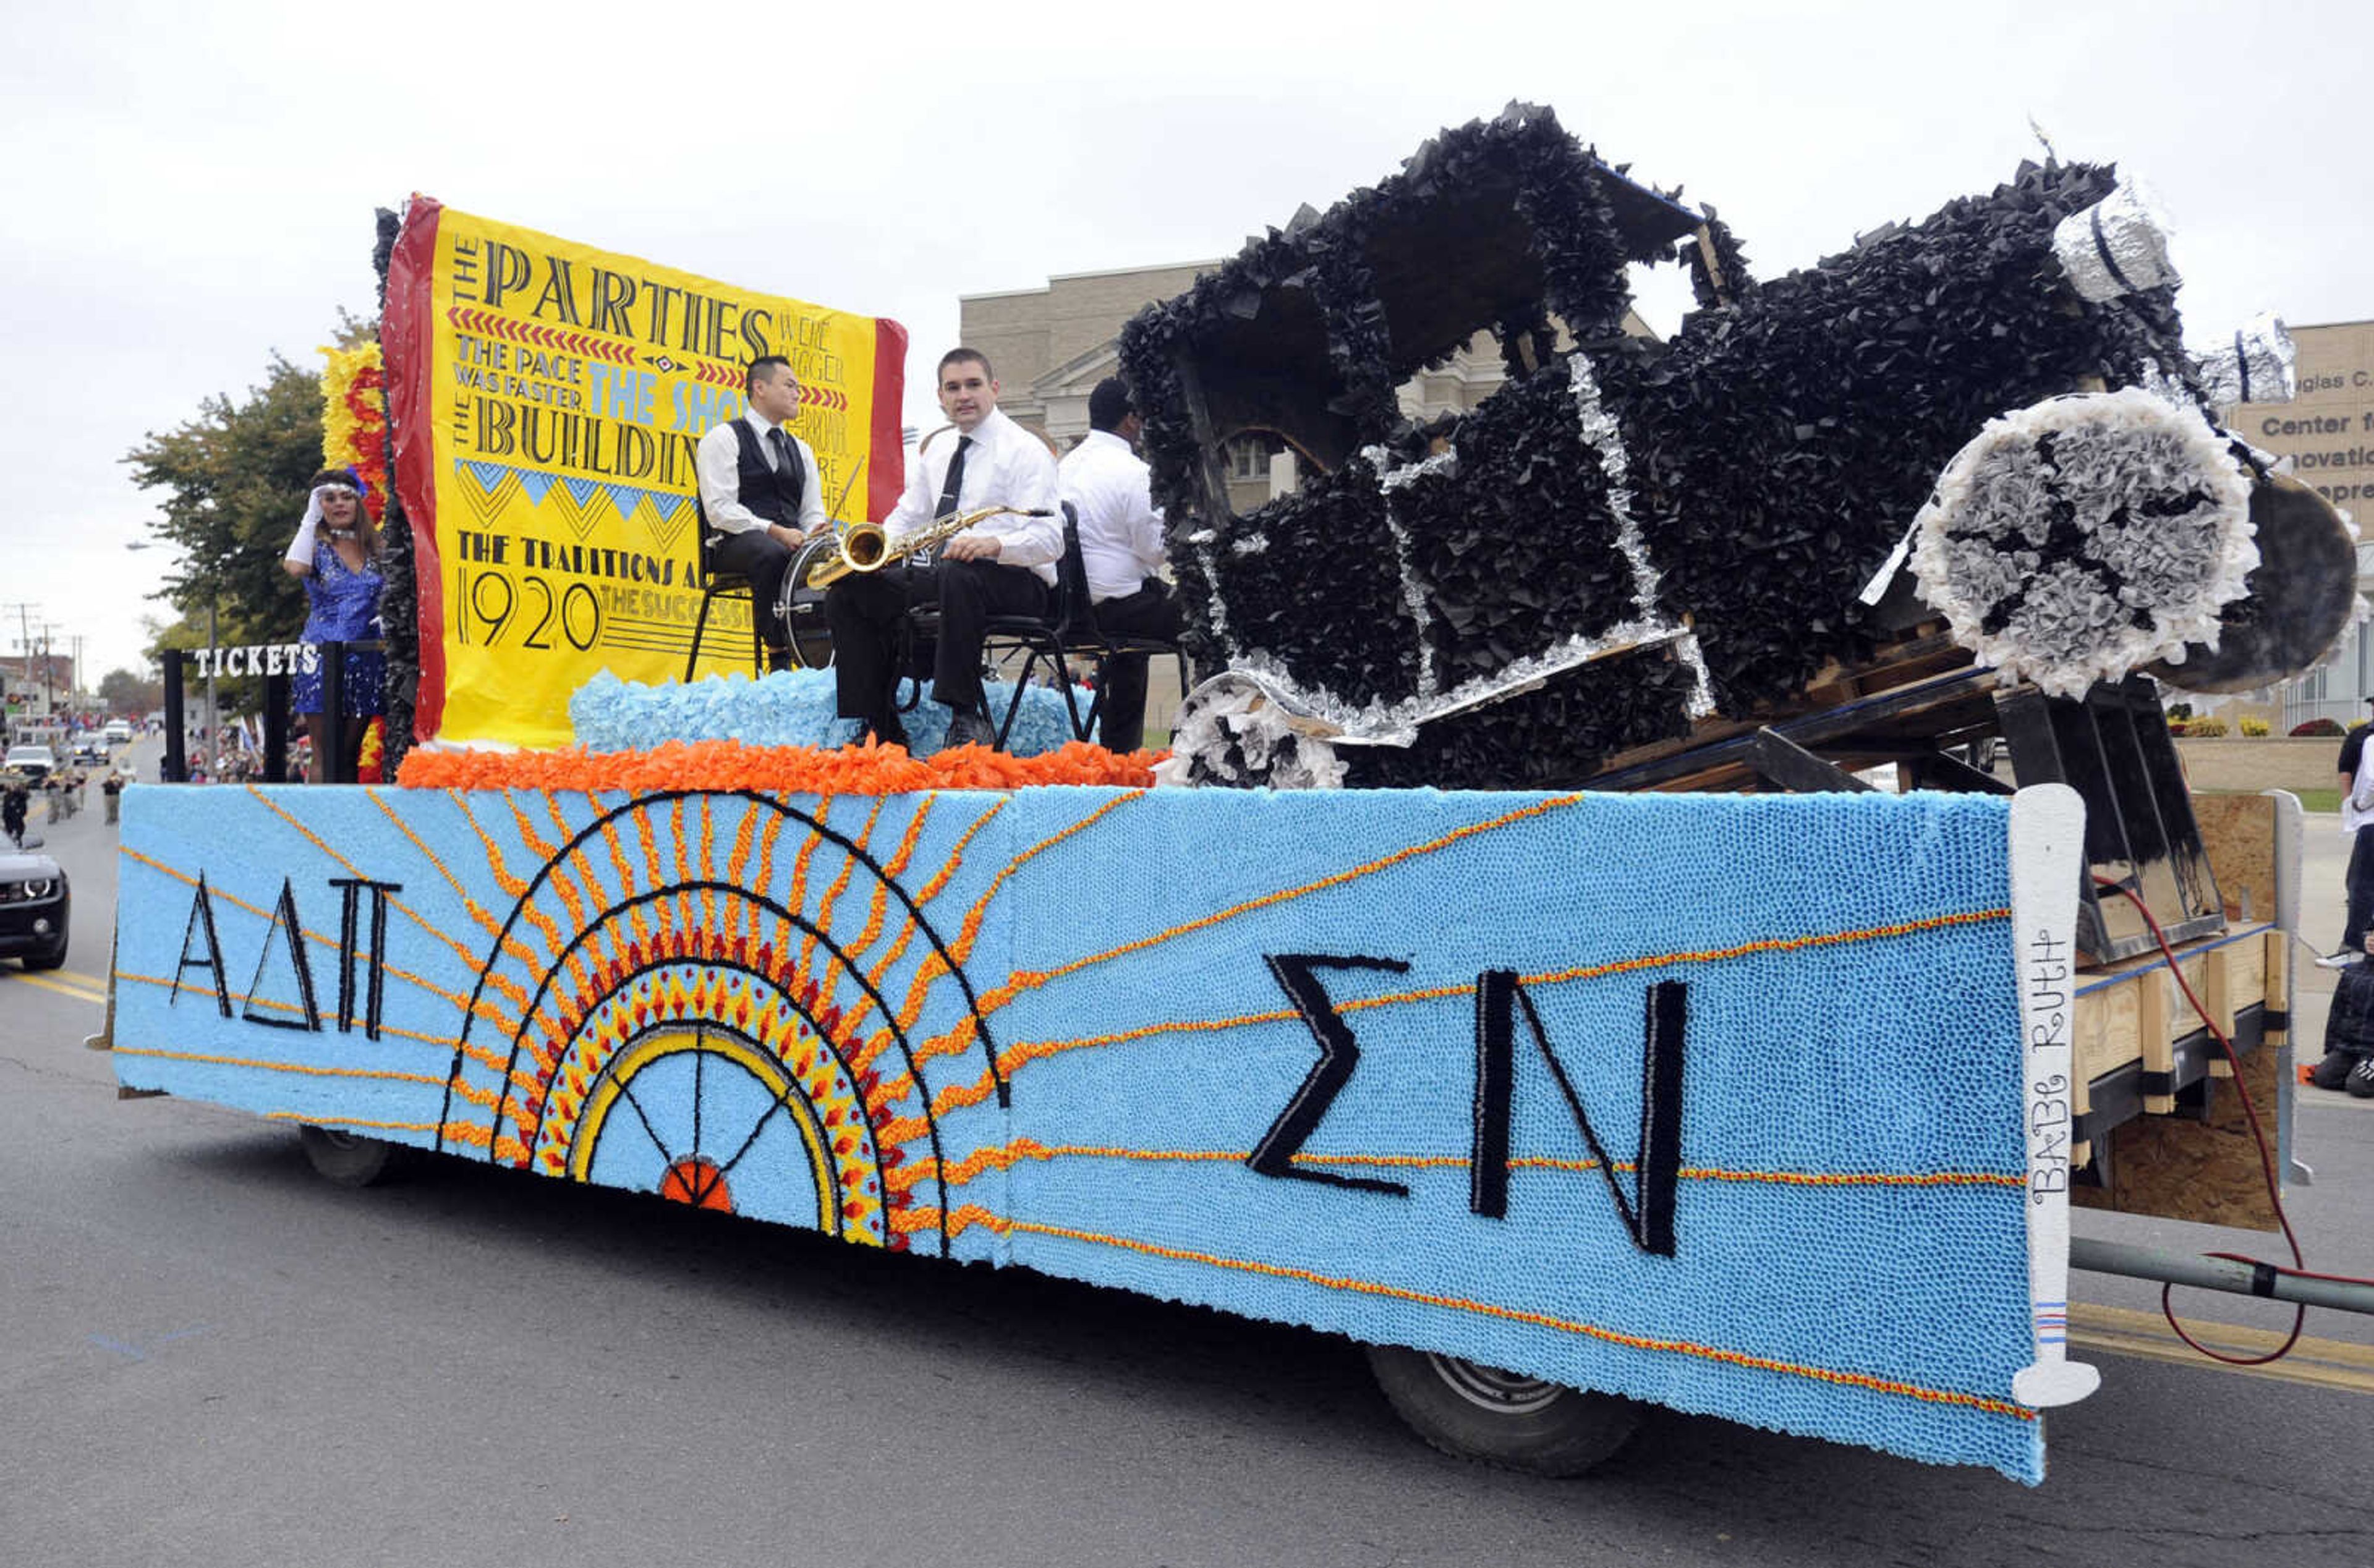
[24,646]
[49,668]
[214,661]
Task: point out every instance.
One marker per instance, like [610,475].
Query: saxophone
[866,546]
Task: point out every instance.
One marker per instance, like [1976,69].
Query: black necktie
[782,445]
[955,480]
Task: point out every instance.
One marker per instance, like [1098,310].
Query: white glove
[301,549]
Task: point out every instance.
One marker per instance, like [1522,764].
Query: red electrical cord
[2266,1165]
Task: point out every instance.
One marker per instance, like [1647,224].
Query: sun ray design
[500,871]
[1026,979]
[765,871]
[913,922]
[939,964]
[477,911]
[707,842]
[831,899]
[1005,1156]
[455,998]
[626,873]
[163,982]
[348,866]
[799,893]
[878,902]
[565,869]
[1022,1052]
[737,862]
[705,913]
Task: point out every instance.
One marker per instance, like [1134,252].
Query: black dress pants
[865,609]
[763,559]
[2359,880]
[1153,611]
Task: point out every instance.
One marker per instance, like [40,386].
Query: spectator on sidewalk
[2357,821]
[14,801]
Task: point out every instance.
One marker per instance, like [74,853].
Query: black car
[34,903]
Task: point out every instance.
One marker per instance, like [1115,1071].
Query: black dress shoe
[2332,1072]
[968,728]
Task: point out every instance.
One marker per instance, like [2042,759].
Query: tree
[234,483]
[130,692]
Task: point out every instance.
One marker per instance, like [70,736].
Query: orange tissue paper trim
[869,769]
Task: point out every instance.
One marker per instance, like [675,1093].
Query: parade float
[1514,970]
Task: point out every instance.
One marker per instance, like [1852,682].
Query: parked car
[34,905]
[36,763]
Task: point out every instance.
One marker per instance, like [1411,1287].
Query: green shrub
[2204,727]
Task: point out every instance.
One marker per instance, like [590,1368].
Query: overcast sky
[189,189]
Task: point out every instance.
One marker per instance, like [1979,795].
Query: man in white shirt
[2358,822]
[1003,566]
[1121,541]
[760,496]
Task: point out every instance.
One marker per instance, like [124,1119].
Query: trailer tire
[1519,1423]
[349,1159]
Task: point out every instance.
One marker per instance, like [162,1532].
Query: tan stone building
[2328,432]
[1050,346]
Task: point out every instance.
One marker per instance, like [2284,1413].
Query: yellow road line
[2324,1364]
[50,982]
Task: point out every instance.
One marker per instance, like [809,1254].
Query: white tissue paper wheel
[2082,538]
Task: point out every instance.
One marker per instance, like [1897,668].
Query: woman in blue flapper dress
[337,554]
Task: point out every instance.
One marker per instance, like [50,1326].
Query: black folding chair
[716,585]
[1068,631]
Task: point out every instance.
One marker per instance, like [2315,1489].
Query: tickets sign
[547,399]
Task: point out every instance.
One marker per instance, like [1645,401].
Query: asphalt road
[210,1356]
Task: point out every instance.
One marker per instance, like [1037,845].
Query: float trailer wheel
[349,1159]
[1501,1418]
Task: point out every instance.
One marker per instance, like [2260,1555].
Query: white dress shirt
[2352,819]
[717,463]
[1121,529]
[1007,466]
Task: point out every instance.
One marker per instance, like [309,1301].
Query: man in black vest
[760,498]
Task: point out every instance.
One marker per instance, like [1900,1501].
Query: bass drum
[802,607]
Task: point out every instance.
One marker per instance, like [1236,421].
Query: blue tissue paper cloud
[790,707]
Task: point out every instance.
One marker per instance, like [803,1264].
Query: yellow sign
[547,398]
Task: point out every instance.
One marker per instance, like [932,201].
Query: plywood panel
[2208,1171]
[2239,831]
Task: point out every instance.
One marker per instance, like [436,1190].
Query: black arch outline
[801,922]
[751,798]
[873,1136]
[776,1100]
